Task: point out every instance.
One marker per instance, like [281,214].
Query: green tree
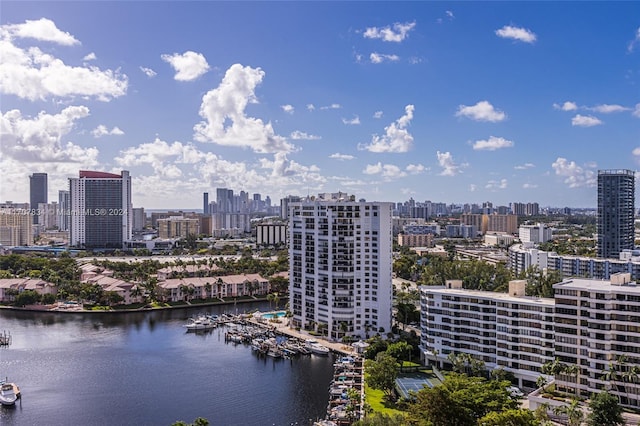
[461,401]
[27,297]
[605,410]
[515,417]
[381,373]
[381,419]
[573,411]
[400,350]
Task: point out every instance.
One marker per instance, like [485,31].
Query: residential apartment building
[504,330]
[101,214]
[536,234]
[15,226]
[597,327]
[271,233]
[178,227]
[523,256]
[616,209]
[340,265]
[415,240]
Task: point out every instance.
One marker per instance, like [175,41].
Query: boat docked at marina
[9,393]
[201,322]
[317,348]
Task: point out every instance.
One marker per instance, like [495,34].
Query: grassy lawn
[375,399]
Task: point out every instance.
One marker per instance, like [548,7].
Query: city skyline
[448,102]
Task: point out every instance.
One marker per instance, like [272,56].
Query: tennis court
[415,383]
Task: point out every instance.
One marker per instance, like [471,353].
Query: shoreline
[48,309]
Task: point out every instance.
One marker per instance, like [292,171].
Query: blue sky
[442,101]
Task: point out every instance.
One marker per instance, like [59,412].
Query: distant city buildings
[178,227]
[340,265]
[616,209]
[101,213]
[15,225]
[535,234]
[271,233]
[38,193]
[64,207]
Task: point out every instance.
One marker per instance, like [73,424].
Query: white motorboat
[202,322]
[317,348]
[9,394]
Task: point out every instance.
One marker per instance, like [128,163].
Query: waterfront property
[180,289]
[340,266]
[9,287]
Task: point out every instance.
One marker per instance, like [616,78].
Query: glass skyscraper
[616,207]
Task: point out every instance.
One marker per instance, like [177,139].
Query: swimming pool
[272,315]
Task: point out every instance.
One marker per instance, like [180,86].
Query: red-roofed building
[101,213]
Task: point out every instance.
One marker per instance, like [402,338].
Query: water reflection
[143,368]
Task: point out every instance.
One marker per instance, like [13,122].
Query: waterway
[144,369]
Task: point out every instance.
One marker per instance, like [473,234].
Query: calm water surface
[144,369]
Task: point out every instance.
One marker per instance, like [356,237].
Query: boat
[9,394]
[202,322]
[317,348]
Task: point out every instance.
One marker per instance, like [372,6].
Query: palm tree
[270,298]
[573,370]
[611,375]
[573,411]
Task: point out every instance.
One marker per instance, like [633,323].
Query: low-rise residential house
[189,288]
[9,287]
[126,289]
[183,271]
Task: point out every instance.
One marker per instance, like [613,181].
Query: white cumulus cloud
[574,175]
[354,121]
[42,30]
[415,169]
[39,139]
[387,171]
[524,166]
[377,114]
[188,66]
[31,74]
[566,106]
[378,58]
[395,33]
[102,130]
[225,121]
[516,33]
[585,121]
[492,144]
[90,57]
[608,109]
[496,184]
[332,106]
[298,135]
[448,165]
[341,157]
[148,72]
[289,109]
[396,138]
[482,111]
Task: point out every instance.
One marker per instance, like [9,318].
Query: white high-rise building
[504,330]
[101,214]
[597,328]
[340,265]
